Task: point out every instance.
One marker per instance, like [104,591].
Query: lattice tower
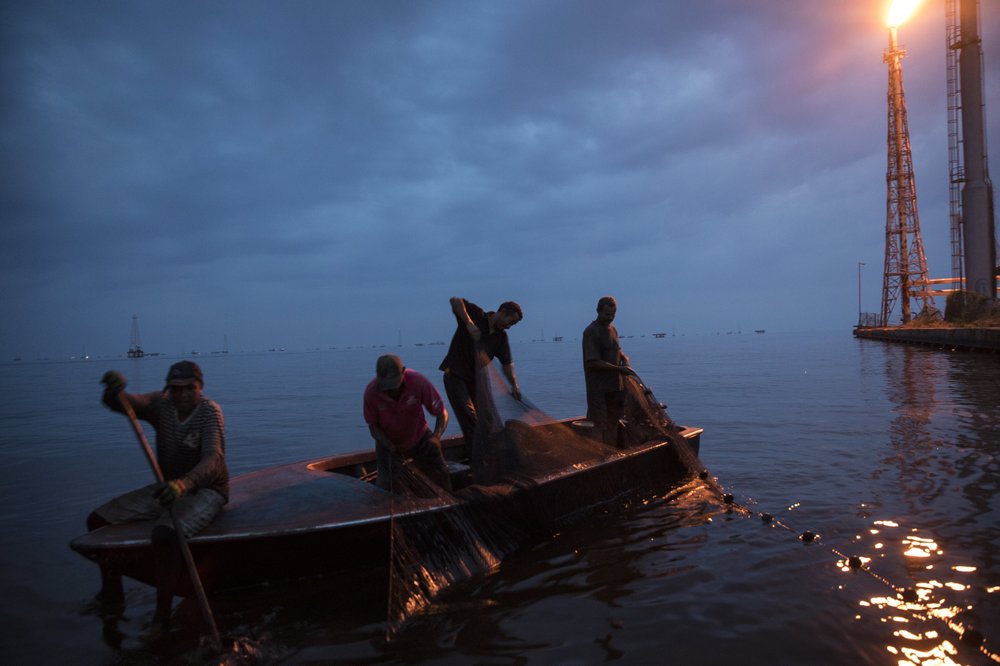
[956,170]
[905,276]
[135,348]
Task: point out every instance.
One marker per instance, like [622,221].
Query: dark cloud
[324,172]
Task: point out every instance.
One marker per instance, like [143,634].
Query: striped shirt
[193,450]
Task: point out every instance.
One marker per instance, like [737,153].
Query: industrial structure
[905,277]
[971,211]
[956,174]
[135,347]
[969,165]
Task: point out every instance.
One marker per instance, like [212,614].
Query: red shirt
[403,420]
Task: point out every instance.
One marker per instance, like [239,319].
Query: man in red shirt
[394,406]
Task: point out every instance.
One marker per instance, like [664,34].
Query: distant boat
[659,335]
[758,330]
[557,338]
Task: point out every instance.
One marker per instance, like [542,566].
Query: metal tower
[956,170]
[135,348]
[978,221]
[905,276]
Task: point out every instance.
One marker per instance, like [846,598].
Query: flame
[900,10]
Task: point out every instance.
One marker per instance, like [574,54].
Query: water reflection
[928,620]
[943,438]
[602,563]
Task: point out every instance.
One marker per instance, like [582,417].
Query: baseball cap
[184,373]
[389,369]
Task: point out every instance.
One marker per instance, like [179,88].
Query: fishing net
[528,471]
[455,541]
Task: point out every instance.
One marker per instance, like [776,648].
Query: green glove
[170,491]
[114,382]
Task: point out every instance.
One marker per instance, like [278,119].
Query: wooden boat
[320,516]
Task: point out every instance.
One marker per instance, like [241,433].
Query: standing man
[604,367]
[479,338]
[191,452]
[394,405]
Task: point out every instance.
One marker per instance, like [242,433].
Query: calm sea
[888,453]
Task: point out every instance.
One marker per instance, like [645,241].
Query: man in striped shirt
[190,449]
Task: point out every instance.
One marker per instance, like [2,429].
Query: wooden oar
[199,590]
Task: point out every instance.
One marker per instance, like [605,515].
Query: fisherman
[479,338]
[190,450]
[604,368]
[394,404]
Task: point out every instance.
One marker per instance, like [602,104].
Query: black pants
[462,396]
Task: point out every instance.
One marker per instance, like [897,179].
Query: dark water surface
[888,453]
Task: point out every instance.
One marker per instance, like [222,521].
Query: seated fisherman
[394,404]
[190,449]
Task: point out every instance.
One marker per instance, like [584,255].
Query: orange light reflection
[936,601]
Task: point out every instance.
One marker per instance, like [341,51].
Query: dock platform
[953,339]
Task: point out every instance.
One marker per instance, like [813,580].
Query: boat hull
[326,516]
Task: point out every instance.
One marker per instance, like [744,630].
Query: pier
[980,339]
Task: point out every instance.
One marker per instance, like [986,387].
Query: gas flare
[900,10]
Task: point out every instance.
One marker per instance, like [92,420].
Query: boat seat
[586,428]
[461,474]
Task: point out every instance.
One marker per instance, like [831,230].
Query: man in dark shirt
[479,338]
[190,450]
[604,368]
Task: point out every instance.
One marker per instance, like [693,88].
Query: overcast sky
[315,174]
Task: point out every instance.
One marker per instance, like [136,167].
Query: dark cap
[184,373]
[389,369]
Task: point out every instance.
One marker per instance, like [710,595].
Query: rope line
[967,635]
[392,549]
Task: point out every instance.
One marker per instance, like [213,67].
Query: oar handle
[141,436]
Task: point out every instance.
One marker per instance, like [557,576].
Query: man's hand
[170,491]
[474,331]
[516,392]
[114,382]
